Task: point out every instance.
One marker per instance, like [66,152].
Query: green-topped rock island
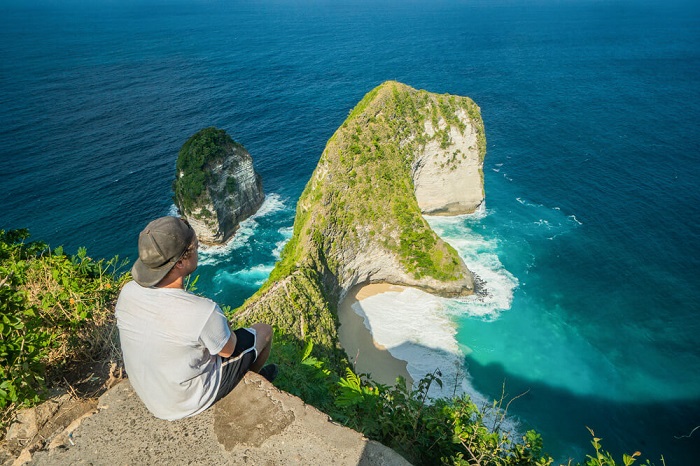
[216,186]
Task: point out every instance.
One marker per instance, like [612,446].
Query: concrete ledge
[256,424]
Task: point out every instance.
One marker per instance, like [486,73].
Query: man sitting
[178,349]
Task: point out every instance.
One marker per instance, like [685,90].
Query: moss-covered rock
[358,219]
[216,186]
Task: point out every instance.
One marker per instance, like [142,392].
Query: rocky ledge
[273,428]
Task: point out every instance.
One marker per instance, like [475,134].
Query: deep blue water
[591,111]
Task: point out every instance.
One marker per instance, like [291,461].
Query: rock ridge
[401,153]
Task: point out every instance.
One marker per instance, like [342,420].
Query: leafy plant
[604,458]
[301,373]
[54,308]
[23,343]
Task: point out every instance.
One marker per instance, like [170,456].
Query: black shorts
[235,366]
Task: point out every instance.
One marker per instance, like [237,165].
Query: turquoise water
[589,242]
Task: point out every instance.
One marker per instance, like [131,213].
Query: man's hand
[228,348]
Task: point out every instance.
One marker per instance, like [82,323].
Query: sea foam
[286,233]
[495,284]
[416,327]
[209,255]
[421,328]
[255,275]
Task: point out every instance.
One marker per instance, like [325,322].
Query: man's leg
[263,345]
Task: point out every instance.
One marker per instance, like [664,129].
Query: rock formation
[400,153]
[216,186]
[275,428]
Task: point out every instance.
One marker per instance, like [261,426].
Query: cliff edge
[216,186]
[274,428]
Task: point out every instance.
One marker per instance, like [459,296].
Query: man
[178,349]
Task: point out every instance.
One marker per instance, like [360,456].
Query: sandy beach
[366,355]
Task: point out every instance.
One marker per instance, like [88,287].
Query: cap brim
[146,276]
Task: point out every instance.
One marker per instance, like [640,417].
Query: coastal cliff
[216,186]
[359,219]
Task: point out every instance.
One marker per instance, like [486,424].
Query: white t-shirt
[170,340]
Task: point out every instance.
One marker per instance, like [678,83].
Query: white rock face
[449,180]
[207,228]
[233,194]
[377,265]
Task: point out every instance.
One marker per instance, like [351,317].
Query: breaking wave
[212,254]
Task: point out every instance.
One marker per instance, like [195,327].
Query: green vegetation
[199,153]
[55,309]
[371,189]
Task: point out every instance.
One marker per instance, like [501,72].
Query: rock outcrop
[400,153]
[216,186]
[255,424]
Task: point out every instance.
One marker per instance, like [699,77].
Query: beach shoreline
[365,354]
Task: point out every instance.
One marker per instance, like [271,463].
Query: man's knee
[264,333]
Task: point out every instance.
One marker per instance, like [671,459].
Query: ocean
[588,240]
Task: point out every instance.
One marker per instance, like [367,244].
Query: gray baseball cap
[161,244]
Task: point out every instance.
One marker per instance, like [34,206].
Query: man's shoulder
[196,300]
[133,290]
[131,287]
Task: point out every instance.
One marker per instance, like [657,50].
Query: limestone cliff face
[216,186]
[448,174]
[400,153]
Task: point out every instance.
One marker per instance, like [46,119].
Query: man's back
[170,339]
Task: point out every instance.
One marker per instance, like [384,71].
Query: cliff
[216,186]
[400,153]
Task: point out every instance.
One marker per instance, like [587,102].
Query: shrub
[203,148]
[54,308]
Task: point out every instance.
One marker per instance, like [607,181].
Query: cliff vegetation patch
[56,312]
[204,149]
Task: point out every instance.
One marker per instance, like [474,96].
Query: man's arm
[228,348]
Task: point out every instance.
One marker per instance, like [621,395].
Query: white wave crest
[273,203]
[212,254]
[551,217]
[573,217]
[496,285]
[253,275]
[286,233]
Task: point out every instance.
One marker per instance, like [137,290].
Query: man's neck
[171,282]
